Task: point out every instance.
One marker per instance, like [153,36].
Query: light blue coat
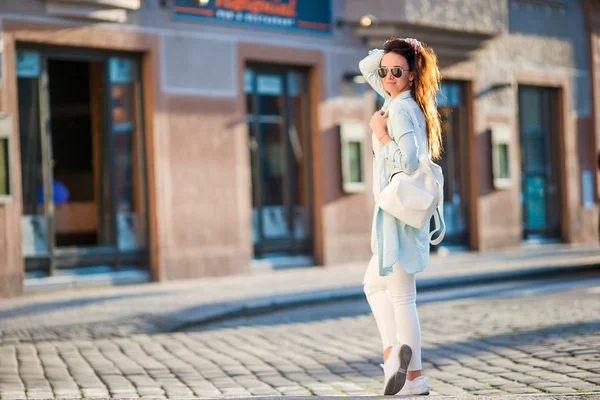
[391,239]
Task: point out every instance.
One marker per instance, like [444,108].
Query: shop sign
[302,15]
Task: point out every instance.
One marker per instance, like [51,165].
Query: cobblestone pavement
[544,344]
[153,308]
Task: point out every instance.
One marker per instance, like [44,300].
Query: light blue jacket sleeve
[368,68]
[402,151]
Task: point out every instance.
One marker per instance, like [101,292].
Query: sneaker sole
[414,394]
[396,383]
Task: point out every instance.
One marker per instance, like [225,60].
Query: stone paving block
[559,389]
[67,394]
[492,369]
[470,385]
[40,396]
[585,387]
[488,392]
[204,394]
[446,389]
[525,379]
[95,393]
[522,390]
[235,392]
[264,391]
[593,379]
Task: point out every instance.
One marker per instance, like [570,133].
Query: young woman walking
[406,129]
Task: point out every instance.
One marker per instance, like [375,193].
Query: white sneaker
[416,387]
[395,369]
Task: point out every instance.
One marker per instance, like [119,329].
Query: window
[501,134]
[502,156]
[5,131]
[355,161]
[352,139]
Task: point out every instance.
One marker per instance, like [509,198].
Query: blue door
[540,195]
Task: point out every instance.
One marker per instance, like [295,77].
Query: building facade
[193,138]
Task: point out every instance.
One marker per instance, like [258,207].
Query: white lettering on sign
[224,14]
[268,20]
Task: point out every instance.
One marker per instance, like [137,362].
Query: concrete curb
[216,312]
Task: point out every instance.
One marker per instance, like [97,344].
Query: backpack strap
[438,217]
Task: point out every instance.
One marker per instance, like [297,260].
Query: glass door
[277,105]
[126,152]
[36,238]
[540,196]
[454,162]
[82,161]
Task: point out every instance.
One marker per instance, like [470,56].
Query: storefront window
[297,104]
[278,141]
[454,161]
[82,161]
[33,222]
[128,160]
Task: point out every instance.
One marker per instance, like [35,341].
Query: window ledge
[97,10]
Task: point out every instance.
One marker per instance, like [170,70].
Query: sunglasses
[396,72]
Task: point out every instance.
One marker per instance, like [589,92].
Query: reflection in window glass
[450,94]
[248,81]
[531,112]
[355,161]
[33,220]
[128,163]
[503,171]
[297,97]
[535,149]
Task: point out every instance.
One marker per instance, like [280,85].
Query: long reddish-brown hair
[426,84]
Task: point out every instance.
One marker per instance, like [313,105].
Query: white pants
[392,300]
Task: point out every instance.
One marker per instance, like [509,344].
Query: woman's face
[391,84]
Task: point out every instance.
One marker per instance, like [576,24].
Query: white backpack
[414,199]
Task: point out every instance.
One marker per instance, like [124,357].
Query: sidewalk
[163,307]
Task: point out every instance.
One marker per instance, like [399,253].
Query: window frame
[501,136]
[352,132]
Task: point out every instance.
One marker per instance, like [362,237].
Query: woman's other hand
[378,124]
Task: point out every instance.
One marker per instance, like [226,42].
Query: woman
[406,129]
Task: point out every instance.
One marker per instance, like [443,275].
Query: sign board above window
[299,15]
